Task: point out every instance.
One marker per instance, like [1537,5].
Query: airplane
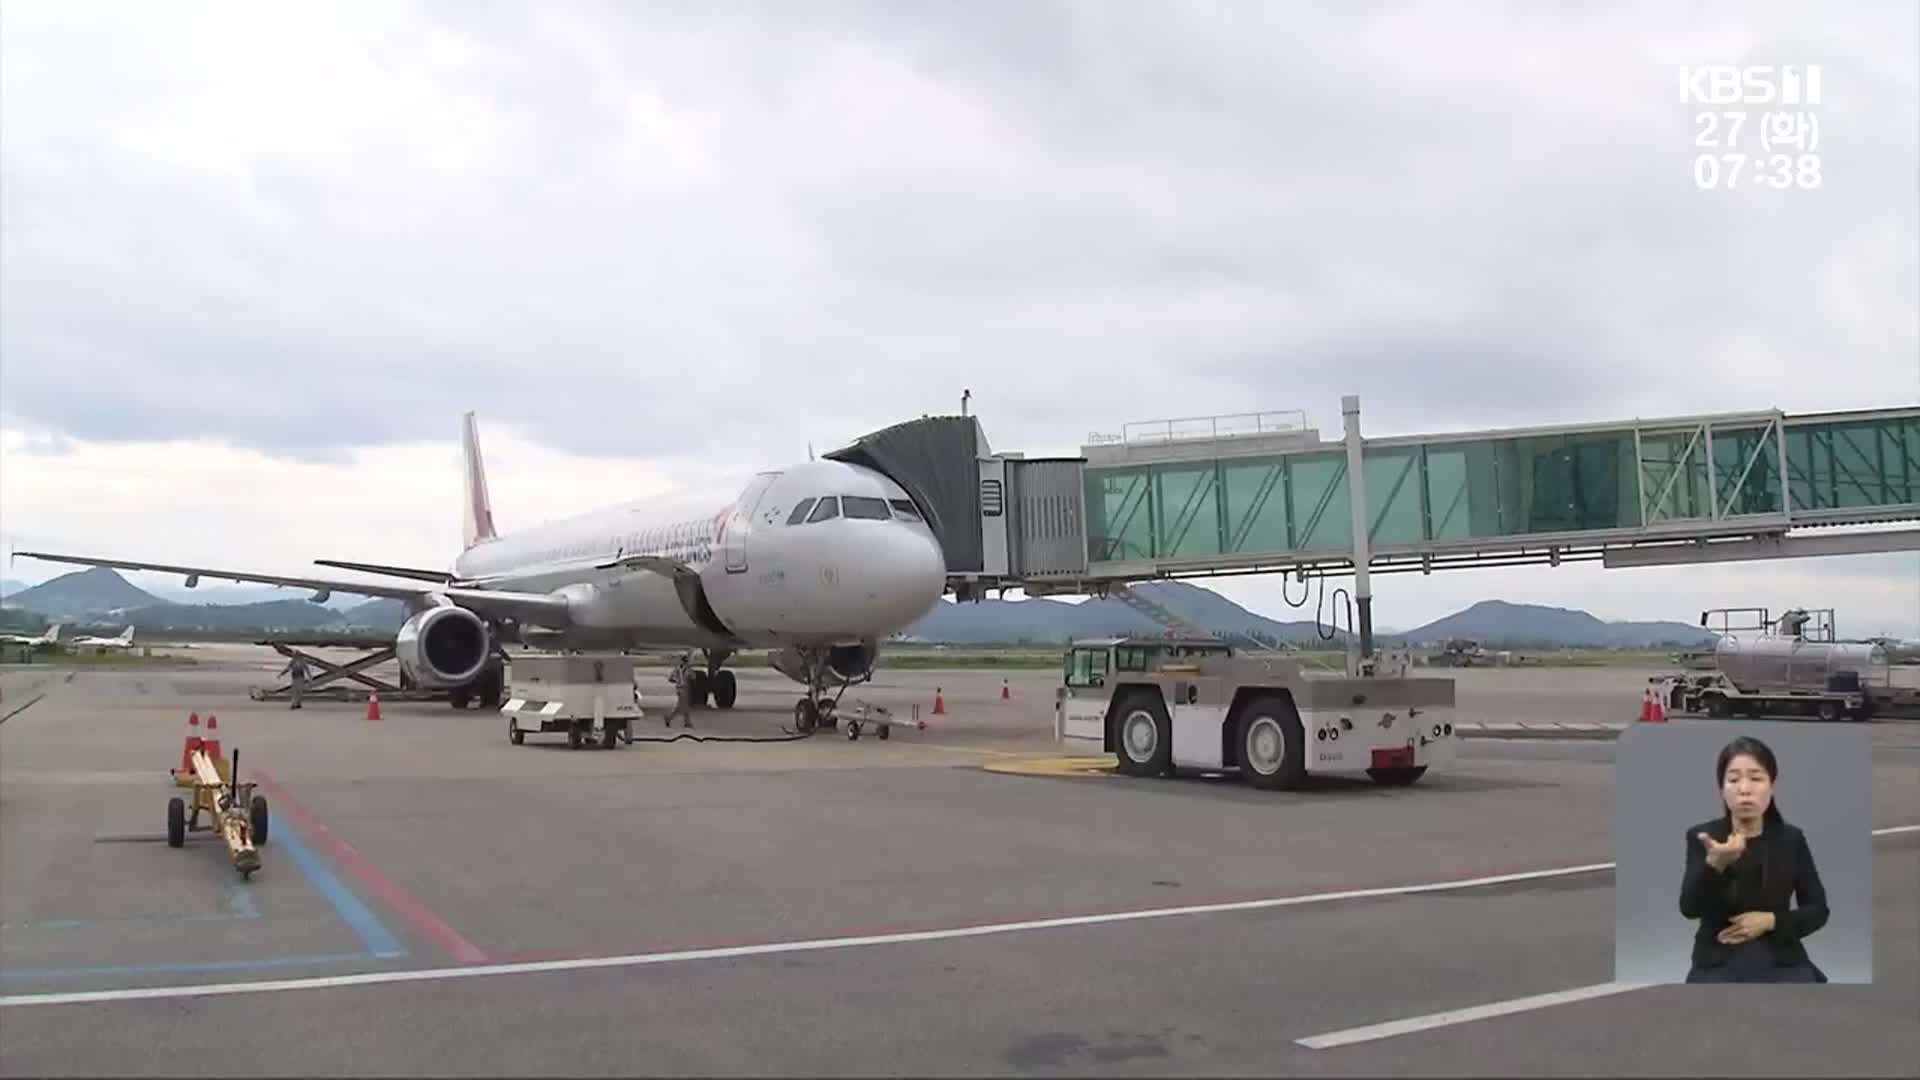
[51,636]
[816,561]
[122,640]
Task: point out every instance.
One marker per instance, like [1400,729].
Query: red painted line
[409,907]
[1170,899]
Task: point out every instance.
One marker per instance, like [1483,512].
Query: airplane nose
[905,574]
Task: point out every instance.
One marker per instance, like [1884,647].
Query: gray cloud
[684,231]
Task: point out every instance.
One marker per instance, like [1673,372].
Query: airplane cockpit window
[861,506]
[904,508]
[828,509]
[800,512]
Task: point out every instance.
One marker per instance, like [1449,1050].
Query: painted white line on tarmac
[532,967]
[1462,1016]
[474,971]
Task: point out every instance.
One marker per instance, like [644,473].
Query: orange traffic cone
[211,744]
[1646,706]
[939,703]
[1005,695]
[1659,708]
[189,745]
[373,706]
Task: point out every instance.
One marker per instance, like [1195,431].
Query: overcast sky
[257,258]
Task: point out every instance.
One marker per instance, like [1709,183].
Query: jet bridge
[1264,493]
[1001,519]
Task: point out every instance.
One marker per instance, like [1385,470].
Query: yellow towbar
[231,807]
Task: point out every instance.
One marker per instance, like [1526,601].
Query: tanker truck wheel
[1829,711]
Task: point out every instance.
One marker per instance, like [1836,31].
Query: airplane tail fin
[127,634]
[477,525]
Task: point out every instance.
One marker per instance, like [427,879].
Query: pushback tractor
[1165,705]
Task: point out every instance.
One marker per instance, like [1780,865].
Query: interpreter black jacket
[1776,869]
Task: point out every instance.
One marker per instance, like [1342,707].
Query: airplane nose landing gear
[817,710]
[810,714]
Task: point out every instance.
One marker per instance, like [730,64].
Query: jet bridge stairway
[1181,626]
[1156,611]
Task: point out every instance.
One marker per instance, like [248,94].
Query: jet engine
[443,647]
[854,662]
[851,663]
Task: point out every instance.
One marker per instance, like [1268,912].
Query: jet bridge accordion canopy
[936,458]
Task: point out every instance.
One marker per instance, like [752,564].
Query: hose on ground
[691,737]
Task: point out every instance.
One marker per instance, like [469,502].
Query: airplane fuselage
[816,562]
[868,570]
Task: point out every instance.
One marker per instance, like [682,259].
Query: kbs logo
[1762,84]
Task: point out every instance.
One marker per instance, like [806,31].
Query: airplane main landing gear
[715,683]
[720,686]
[488,688]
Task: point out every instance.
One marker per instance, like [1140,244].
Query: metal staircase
[1166,617]
[1156,611]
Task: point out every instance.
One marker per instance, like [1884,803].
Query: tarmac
[952,900]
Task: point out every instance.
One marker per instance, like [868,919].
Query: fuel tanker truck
[1779,669]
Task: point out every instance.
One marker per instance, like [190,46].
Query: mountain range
[102,597]
[200,594]
[1492,623]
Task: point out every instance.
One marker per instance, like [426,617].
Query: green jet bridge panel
[1261,493]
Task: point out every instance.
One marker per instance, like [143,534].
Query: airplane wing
[439,577]
[537,608]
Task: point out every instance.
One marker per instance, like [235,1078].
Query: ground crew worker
[296,672]
[683,693]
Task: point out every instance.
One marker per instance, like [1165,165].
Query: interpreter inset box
[1743,852]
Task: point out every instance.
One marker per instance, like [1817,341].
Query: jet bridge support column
[1357,500]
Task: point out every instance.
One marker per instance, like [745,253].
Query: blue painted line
[174,969]
[373,933]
